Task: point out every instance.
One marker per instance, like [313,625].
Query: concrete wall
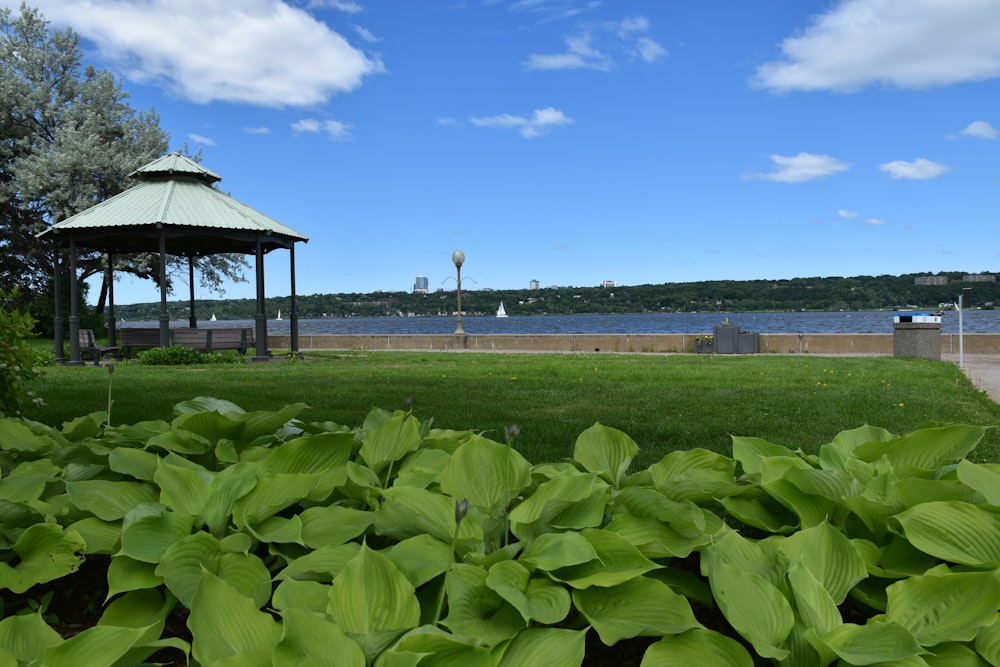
[861,344]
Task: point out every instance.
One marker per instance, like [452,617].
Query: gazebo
[173,210]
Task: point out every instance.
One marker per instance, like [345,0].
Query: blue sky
[576,141]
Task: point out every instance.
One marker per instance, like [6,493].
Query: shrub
[185,356]
[17,361]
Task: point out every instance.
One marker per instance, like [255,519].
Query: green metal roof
[175,193]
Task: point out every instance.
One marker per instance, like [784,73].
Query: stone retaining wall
[862,344]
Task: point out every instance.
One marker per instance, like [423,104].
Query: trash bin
[917,335]
[748,342]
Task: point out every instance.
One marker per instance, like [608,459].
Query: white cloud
[365,34]
[447,122]
[594,47]
[919,169]
[255,52]
[846,214]
[348,6]
[980,129]
[332,128]
[201,139]
[876,222]
[257,130]
[538,124]
[800,168]
[903,43]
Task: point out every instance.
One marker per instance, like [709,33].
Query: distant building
[533,284]
[609,283]
[930,280]
[420,285]
[980,278]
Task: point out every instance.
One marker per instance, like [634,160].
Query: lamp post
[458,257]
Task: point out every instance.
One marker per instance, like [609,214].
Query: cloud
[257,130]
[255,52]
[980,129]
[594,47]
[334,129]
[447,122]
[201,139]
[366,34]
[903,43]
[800,168]
[919,169]
[538,124]
[348,6]
[846,214]
[876,222]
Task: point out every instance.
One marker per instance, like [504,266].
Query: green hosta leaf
[390,441]
[136,463]
[434,648]
[26,638]
[606,452]
[755,507]
[126,574]
[617,562]
[98,646]
[373,602]
[811,509]
[310,454]
[926,448]
[28,480]
[407,511]
[227,625]
[874,643]
[270,495]
[279,530]
[698,475]
[332,524]
[208,404]
[17,438]
[815,606]
[569,502]
[655,539]
[102,537]
[228,486]
[545,647]
[313,639]
[980,478]
[149,530]
[697,648]
[308,596]
[180,441]
[321,564]
[754,607]
[947,607]
[422,468]
[476,610]
[183,564]
[486,473]
[832,558]
[750,452]
[110,500]
[954,531]
[988,641]
[420,558]
[551,551]
[640,607]
[536,599]
[183,488]
[45,552]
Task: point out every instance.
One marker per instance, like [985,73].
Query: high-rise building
[533,284]
[420,285]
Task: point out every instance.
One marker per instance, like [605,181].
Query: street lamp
[458,257]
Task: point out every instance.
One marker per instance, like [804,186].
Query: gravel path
[983,371]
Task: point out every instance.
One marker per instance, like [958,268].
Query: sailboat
[279,313]
[500,311]
[212,318]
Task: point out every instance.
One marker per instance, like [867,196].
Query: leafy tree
[68,140]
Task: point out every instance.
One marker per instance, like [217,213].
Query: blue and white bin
[916,335]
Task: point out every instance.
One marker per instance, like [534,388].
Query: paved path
[983,370]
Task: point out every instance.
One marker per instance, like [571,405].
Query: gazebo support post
[260,336]
[294,338]
[110,277]
[57,319]
[164,316]
[192,318]
[75,358]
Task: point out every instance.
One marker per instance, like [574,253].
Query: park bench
[213,340]
[131,337]
[89,346]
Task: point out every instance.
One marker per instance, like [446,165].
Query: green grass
[662,402]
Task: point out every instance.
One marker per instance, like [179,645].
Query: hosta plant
[395,544]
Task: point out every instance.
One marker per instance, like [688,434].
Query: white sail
[212,319]
[501,312]
[279,313]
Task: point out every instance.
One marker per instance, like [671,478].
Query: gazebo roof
[176,194]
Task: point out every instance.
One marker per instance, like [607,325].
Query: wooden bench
[89,346]
[131,337]
[213,340]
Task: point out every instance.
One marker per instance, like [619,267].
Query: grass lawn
[662,402]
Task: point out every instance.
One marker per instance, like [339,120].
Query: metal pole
[961,336]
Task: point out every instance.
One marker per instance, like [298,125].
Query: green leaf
[874,643]
[551,551]
[270,495]
[954,531]
[617,562]
[420,558]
[815,606]
[754,607]
[149,530]
[227,625]
[606,452]
[696,474]
[407,511]
[27,637]
[435,648]
[228,486]
[946,607]
[373,602]
[980,478]
[110,500]
[17,438]
[136,463]
[313,639]
[322,564]
[390,441]
[183,488]
[333,524]
[567,502]
[489,475]
[308,596]
[422,468]
[750,452]
[101,537]
[184,562]
[537,599]
[755,507]
[926,448]
[988,641]
[44,552]
[832,558]
[545,647]
[98,646]
[640,607]
[697,648]
[476,610]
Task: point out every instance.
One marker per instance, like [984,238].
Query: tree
[70,139]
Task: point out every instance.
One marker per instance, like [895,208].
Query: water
[974,321]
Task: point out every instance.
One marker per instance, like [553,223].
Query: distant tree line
[811,294]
